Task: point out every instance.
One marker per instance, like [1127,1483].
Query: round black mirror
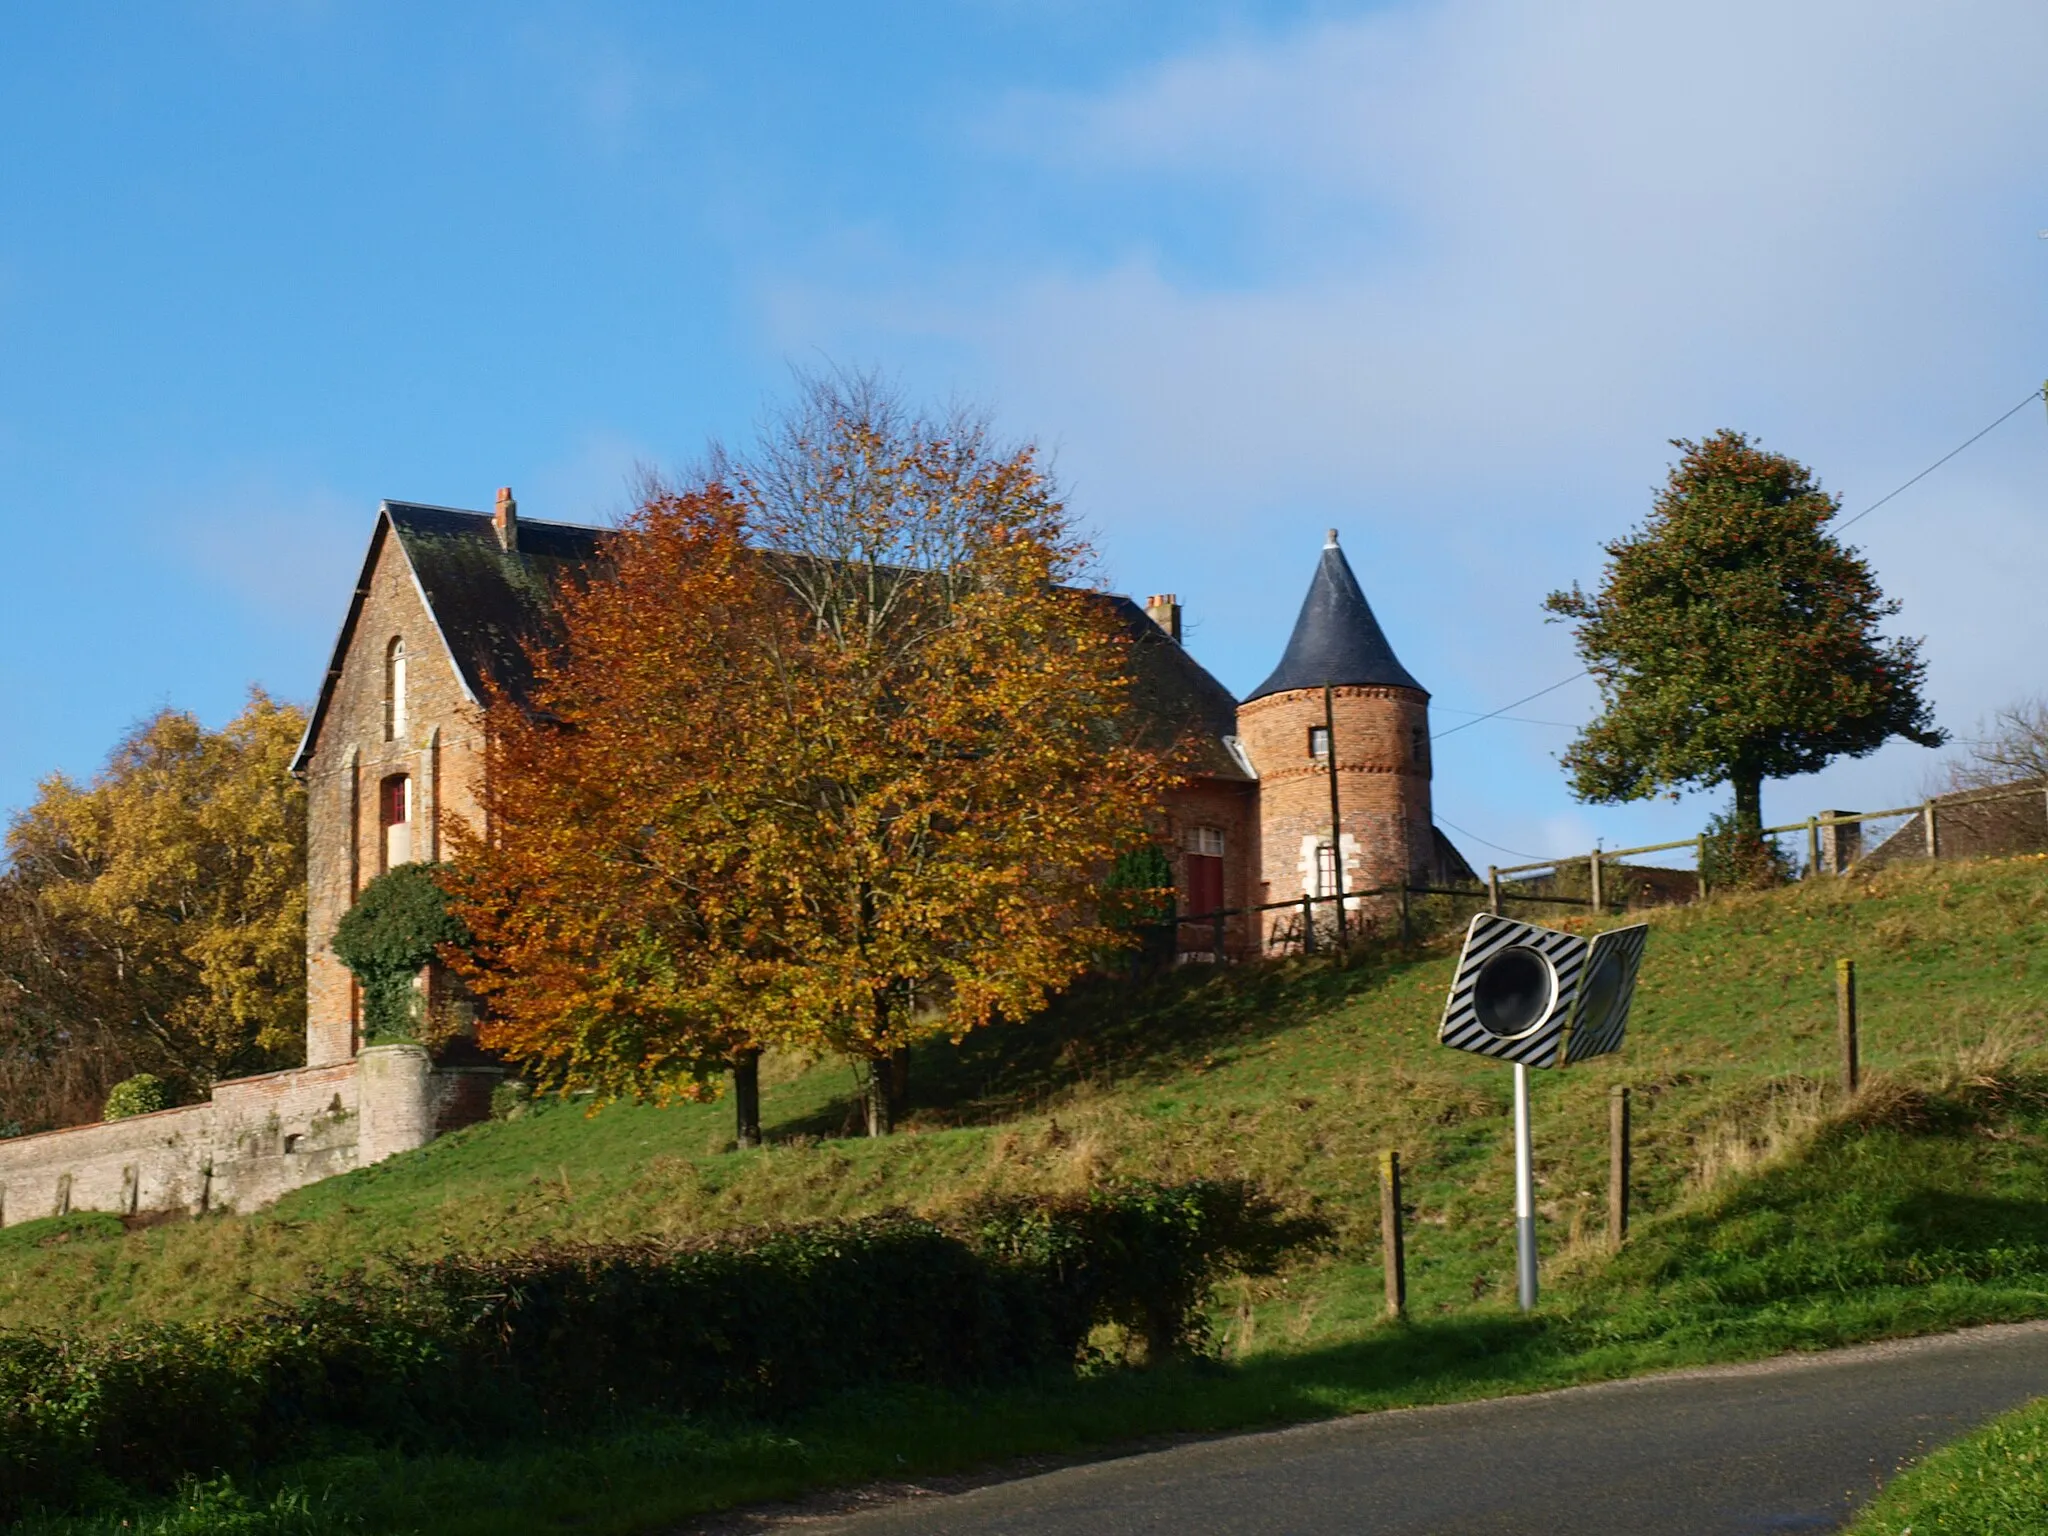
[1513,991]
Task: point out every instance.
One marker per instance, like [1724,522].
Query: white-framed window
[394,811]
[1206,841]
[1319,741]
[394,689]
[1326,870]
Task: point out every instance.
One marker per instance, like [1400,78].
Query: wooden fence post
[1308,924]
[1933,841]
[1493,889]
[1701,860]
[1812,846]
[1617,1166]
[1393,1257]
[1593,873]
[1216,945]
[1845,1021]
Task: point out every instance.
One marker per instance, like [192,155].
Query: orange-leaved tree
[832,757]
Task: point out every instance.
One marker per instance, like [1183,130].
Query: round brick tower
[1381,720]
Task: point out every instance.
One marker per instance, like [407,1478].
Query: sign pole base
[1525,1195]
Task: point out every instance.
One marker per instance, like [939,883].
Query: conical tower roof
[1336,639]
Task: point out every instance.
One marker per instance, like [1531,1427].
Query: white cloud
[1499,254]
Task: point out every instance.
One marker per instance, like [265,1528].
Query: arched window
[394,689]
[394,811]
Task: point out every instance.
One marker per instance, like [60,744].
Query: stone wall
[255,1139]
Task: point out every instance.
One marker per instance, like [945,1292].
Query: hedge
[467,1350]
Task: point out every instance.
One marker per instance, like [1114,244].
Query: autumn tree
[834,758]
[1735,639]
[154,919]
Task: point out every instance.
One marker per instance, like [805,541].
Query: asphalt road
[1785,1445]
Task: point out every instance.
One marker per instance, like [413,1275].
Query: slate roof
[491,605]
[1336,639]
[1178,693]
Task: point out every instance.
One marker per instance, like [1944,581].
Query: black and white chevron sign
[1514,991]
[1604,996]
[1540,997]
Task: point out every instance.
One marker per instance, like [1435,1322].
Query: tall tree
[1735,639]
[156,916]
[833,759]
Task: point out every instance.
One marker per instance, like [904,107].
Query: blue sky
[1444,275]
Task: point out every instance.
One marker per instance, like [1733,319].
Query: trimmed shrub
[397,925]
[466,1349]
[143,1094]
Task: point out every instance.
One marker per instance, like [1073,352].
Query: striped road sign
[1515,991]
[1610,986]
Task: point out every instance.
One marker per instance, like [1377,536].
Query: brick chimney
[506,520]
[1164,610]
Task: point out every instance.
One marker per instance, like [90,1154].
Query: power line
[1440,735]
[1496,847]
[1562,725]
[1930,469]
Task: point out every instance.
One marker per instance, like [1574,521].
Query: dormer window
[394,690]
[394,811]
[1319,741]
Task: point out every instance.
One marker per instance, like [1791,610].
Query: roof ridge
[524,520]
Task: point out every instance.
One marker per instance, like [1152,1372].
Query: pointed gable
[1336,639]
[488,604]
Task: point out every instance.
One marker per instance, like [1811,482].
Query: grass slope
[1915,1208]
[1993,1483]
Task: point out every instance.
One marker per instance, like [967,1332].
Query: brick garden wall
[255,1139]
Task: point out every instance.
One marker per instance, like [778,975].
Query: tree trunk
[1749,803]
[877,1101]
[746,1098]
[899,1083]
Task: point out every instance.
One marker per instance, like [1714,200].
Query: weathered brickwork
[1383,774]
[1231,811]
[437,745]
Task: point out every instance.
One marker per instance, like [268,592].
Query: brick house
[449,601]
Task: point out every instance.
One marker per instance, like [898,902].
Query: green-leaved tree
[1735,639]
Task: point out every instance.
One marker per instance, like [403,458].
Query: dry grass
[1762,1133]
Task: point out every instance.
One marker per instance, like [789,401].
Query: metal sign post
[1525,1195]
[1535,997]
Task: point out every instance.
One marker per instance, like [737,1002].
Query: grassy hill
[1773,1214]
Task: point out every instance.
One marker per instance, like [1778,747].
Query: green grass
[1913,1210]
[1992,1483]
